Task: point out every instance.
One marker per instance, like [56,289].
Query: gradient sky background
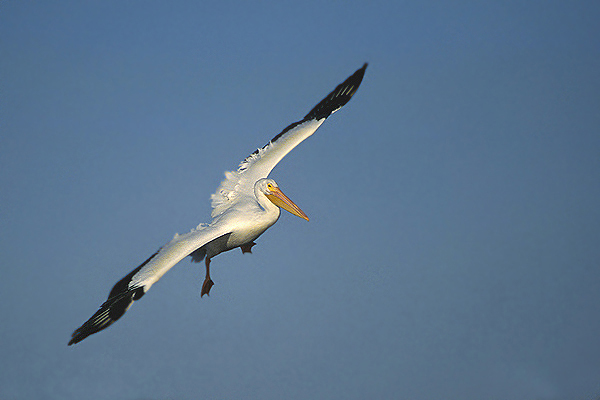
[454,244]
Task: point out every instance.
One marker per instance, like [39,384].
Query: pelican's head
[270,189]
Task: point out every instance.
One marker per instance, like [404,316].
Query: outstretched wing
[133,286]
[260,163]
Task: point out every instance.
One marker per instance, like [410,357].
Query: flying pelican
[245,205]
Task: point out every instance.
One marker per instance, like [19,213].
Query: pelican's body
[245,205]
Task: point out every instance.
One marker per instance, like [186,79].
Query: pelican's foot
[208,283]
[247,248]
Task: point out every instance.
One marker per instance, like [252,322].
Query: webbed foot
[247,248]
[208,283]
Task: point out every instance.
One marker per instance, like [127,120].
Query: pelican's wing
[260,163]
[137,282]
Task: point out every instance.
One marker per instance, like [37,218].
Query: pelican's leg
[208,283]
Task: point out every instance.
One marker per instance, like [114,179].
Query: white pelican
[245,205]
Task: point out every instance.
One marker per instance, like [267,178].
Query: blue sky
[454,239]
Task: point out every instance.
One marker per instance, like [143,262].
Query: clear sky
[454,244]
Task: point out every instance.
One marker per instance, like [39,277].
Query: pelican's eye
[269,186]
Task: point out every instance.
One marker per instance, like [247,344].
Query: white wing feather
[176,250]
[258,165]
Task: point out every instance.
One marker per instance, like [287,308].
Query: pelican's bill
[281,200]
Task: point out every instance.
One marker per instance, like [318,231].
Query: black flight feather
[331,103]
[119,300]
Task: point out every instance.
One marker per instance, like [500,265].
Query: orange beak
[281,200]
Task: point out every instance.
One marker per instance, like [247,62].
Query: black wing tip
[119,300]
[108,313]
[99,321]
[339,96]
